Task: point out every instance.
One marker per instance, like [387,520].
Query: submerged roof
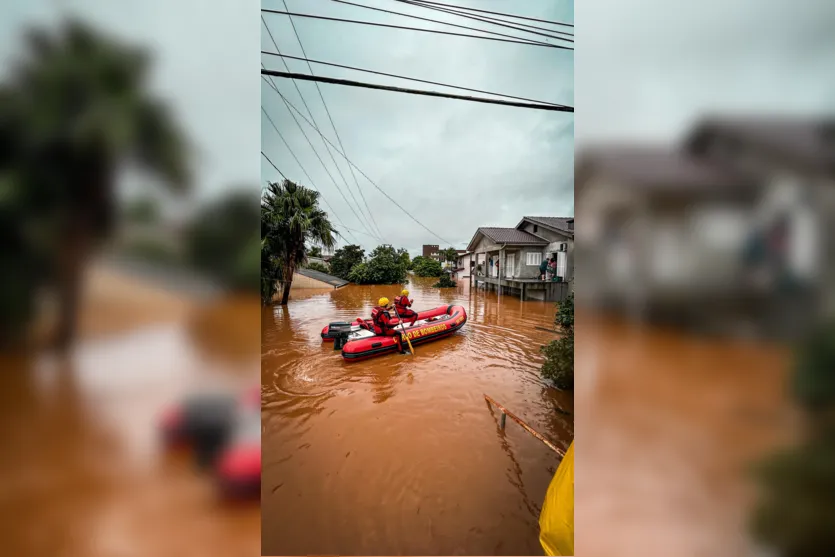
[323,277]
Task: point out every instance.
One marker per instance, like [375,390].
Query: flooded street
[79,453]
[670,425]
[401,454]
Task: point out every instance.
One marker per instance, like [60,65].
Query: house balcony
[526,288]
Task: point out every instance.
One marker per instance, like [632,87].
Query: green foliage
[220,233]
[290,219]
[314,251]
[559,354]
[272,273]
[813,381]
[445,282]
[450,254]
[559,362]
[345,259]
[384,266]
[415,262]
[246,270]
[404,258]
[795,514]
[143,210]
[428,267]
[564,318]
[75,106]
[316,266]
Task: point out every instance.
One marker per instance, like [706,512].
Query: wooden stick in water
[525,426]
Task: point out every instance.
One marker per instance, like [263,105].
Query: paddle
[409,342]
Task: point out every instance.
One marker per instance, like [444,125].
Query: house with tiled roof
[706,232]
[508,259]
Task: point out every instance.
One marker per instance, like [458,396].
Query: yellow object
[556,522]
[383,302]
[404,292]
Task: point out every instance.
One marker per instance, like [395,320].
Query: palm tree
[77,111]
[290,218]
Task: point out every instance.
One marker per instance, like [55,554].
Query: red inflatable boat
[358,341]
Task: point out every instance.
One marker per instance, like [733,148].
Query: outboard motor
[339,333]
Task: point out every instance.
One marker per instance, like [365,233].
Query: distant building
[432,251]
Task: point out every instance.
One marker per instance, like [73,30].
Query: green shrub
[345,259]
[559,362]
[445,282]
[564,319]
[559,354]
[316,266]
[384,266]
[428,268]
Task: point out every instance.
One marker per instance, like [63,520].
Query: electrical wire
[436,31]
[366,175]
[407,78]
[467,27]
[498,13]
[336,132]
[274,166]
[313,185]
[351,83]
[550,33]
[310,112]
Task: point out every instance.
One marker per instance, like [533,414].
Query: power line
[366,175]
[498,13]
[310,112]
[407,78]
[496,33]
[360,220]
[328,205]
[550,33]
[436,31]
[350,83]
[274,166]
[460,10]
[336,132]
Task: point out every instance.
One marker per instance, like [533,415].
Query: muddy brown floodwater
[401,454]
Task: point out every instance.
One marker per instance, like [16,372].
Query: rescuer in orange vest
[402,304]
[384,323]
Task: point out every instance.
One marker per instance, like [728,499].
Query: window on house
[533,258]
[535,229]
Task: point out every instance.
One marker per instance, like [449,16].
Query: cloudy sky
[454,165]
[644,69]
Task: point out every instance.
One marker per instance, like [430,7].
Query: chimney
[570,223]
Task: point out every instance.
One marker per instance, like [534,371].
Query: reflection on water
[83,473]
[400,454]
[670,425]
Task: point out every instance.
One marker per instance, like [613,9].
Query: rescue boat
[358,341]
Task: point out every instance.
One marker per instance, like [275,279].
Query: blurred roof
[656,167]
[807,141]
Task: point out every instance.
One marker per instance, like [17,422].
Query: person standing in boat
[403,304]
[384,324]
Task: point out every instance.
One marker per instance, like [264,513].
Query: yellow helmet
[383,302]
[404,292]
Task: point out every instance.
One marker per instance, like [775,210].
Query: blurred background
[705,191]
[129,276]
